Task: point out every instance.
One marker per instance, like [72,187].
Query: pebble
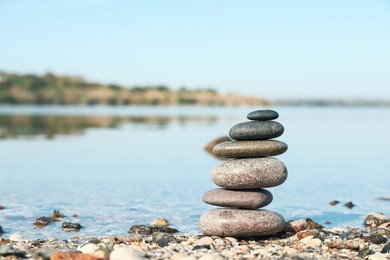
[57,215]
[204,241]
[247,149]
[245,199]
[375,219]
[1,231]
[161,222]
[240,223]
[70,227]
[42,222]
[16,237]
[148,230]
[125,253]
[253,173]
[88,248]
[256,130]
[263,115]
[162,239]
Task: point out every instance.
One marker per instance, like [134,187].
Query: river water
[119,166]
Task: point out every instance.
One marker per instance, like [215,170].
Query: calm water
[116,167]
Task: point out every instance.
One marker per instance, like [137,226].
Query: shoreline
[301,239]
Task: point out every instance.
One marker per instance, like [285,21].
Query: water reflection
[50,126]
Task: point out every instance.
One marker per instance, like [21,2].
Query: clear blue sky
[274,48]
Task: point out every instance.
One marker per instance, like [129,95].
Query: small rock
[9,252]
[381,231]
[209,147]
[377,256]
[16,237]
[349,205]
[375,239]
[303,234]
[161,222]
[384,198]
[42,222]
[148,230]
[2,207]
[353,233]
[162,239]
[204,241]
[375,219]
[352,245]
[314,242]
[125,253]
[263,115]
[311,224]
[88,248]
[58,255]
[338,243]
[1,231]
[365,252]
[386,248]
[334,202]
[295,226]
[57,215]
[70,227]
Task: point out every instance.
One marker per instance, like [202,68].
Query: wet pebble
[148,230]
[349,205]
[161,222]
[70,227]
[42,222]
[376,239]
[57,215]
[334,202]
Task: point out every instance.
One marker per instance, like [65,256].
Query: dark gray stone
[256,130]
[163,239]
[71,227]
[148,230]
[241,223]
[252,173]
[263,115]
[247,149]
[244,199]
[42,222]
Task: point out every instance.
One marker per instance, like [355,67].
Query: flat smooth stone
[263,115]
[247,149]
[256,130]
[244,199]
[240,223]
[251,173]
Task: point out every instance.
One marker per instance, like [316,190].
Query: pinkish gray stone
[247,149]
[241,223]
[244,199]
[251,173]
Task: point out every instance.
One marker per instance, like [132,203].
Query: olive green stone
[247,149]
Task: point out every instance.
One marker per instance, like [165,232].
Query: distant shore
[50,89]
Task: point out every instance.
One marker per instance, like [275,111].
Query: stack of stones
[244,177]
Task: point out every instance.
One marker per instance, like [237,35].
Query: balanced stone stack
[244,177]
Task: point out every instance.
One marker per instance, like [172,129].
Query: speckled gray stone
[247,149]
[256,130]
[251,173]
[263,115]
[241,223]
[244,199]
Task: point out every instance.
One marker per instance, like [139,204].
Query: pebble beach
[300,239]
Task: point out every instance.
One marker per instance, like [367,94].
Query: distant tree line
[68,90]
